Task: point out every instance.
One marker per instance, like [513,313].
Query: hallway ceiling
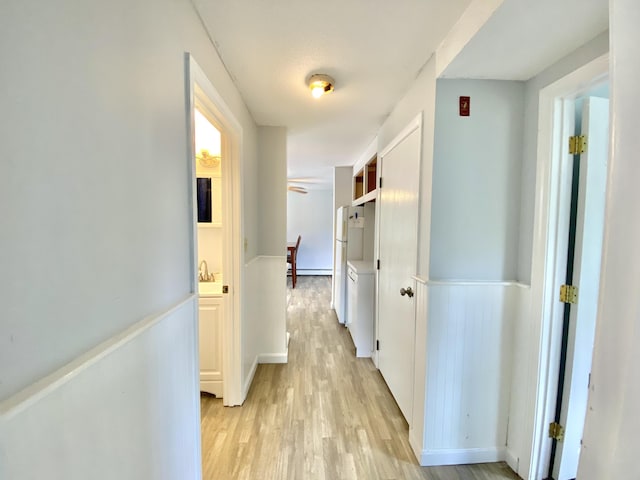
[374,49]
[522,38]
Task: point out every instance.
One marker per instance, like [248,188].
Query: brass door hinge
[225,289]
[556,431]
[577,144]
[569,294]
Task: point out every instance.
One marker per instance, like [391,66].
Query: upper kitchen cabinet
[365,181]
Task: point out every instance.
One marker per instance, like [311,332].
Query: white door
[586,276]
[398,253]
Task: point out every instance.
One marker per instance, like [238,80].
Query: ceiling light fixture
[320,84]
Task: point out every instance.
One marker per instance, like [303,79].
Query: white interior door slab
[586,276]
[398,253]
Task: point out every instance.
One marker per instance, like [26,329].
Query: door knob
[406,291]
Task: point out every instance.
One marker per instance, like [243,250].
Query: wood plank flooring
[323,416]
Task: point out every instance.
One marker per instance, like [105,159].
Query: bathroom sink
[209,288]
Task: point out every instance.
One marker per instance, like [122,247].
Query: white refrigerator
[349,238]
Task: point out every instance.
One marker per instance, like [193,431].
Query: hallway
[324,415]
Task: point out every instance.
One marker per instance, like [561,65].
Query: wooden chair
[292,253]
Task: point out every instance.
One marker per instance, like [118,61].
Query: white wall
[311,216]
[272,190]
[210,248]
[265,329]
[479,434]
[610,441]
[97,203]
[591,50]
[419,98]
[94,194]
[264,326]
[476,187]
[126,410]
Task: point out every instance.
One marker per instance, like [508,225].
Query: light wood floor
[325,415]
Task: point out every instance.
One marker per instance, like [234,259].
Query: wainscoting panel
[128,409]
[417,424]
[468,371]
[265,315]
[523,386]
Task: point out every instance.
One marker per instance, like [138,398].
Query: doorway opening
[216,202]
[569,230]
[210,169]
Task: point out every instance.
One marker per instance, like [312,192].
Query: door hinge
[556,431]
[380,183]
[378,265]
[577,144]
[569,294]
[377,345]
[225,289]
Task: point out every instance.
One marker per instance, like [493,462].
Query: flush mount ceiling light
[320,84]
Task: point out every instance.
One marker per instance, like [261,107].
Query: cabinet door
[210,340]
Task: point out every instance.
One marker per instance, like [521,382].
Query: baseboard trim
[249,380]
[273,357]
[314,272]
[276,357]
[462,456]
[512,460]
[416,445]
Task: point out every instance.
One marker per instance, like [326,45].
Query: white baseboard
[416,444]
[276,357]
[314,272]
[264,358]
[273,357]
[249,380]
[461,456]
[512,460]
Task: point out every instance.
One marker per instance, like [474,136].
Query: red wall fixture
[465,106]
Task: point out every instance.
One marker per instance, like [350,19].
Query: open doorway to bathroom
[216,255]
[209,168]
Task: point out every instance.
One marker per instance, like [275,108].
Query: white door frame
[200,90]
[550,233]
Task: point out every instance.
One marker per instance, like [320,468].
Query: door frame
[550,241]
[200,91]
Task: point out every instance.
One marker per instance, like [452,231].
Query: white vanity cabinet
[210,341]
[360,305]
